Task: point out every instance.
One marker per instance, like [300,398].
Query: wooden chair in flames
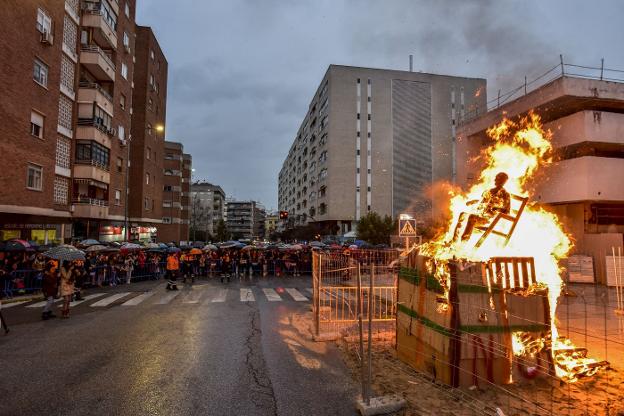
[513,217]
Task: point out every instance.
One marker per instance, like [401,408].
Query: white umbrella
[64,252]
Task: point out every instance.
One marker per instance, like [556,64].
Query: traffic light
[283,215]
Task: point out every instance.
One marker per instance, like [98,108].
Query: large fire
[518,148]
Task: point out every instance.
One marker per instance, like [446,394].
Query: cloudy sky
[242,72]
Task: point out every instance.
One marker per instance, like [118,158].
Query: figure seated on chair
[493,201]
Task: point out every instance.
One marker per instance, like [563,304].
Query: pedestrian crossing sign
[407,227]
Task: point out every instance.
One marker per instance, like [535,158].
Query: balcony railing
[98,87]
[96,8]
[91,162]
[98,124]
[89,201]
[97,49]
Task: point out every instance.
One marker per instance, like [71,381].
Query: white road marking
[192,297]
[107,301]
[38,304]
[272,295]
[137,299]
[10,305]
[220,296]
[246,295]
[167,298]
[84,299]
[296,295]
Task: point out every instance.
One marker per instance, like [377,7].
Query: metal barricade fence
[335,289]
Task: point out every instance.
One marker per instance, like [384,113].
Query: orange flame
[519,148]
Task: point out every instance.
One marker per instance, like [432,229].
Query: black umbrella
[64,253]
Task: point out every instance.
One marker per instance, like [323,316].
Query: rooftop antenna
[411,63]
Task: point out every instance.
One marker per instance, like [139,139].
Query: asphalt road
[204,352]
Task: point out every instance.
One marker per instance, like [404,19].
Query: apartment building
[583,187]
[270,224]
[245,219]
[373,140]
[207,209]
[177,167]
[38,83]
[146,148]
[70,82]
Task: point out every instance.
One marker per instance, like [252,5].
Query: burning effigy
[478,303]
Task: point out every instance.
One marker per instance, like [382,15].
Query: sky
[242,72]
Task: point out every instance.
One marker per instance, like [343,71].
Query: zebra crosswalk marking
[10,305]
[38,304]
[192,297]
[137,299]
[296,295]
[108,300]
[271,295]
[167,298]
[220,296]
[246,295]
[84,299]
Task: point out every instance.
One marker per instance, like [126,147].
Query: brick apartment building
[38,83]
[149,100]
[177,167]
[66,114]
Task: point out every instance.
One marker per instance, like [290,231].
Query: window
[70,34]
[150,104]
[119,164]
[122,101]
[102,118]
[61,186]
[40,73]
[127,10]
[108,14]
[67,73]
[369,116]
[63,150]
[146,203]
[151,80]
[358,116]
[166,220]
[65,112]
[152,54]
[121,132]
[91,152]
[36,124]
[148,152]
[117,197]
[34,177]
[168,188]
[149,128]
[124,70]
[126,40]
[44,22]
[147,177]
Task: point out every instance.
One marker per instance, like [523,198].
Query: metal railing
[92,162]
[560,70]
[97,123]
[98,87]
[90,201]
[98,50]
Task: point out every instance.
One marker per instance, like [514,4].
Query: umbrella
[89,242]
[114,244]
[210,247]
[296,247]
[64,253]
[173,250]
[317,244]
[232,244]
[131,246]
[17,245]
[151,245]
[163,245]
[195,251]
[198,244]
[353,247]
[155,250]
[94,248]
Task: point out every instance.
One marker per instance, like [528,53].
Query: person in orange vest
[173,265]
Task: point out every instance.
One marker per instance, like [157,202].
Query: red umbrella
[17,245]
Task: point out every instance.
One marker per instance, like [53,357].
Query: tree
[376,230]
[222,233]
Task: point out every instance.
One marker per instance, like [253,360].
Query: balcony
[90,92]
[102,21]
[97,62]
[90,169]
[88,129]
[84,207]
[586,178]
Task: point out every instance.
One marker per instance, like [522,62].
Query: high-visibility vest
[172,263]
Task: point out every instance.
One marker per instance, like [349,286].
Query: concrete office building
[207,209]
[245,219]
[149,101]
[373,140]
[584,187]
[176,190]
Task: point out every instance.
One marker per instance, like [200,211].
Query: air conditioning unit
[47,38]
[112,131]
